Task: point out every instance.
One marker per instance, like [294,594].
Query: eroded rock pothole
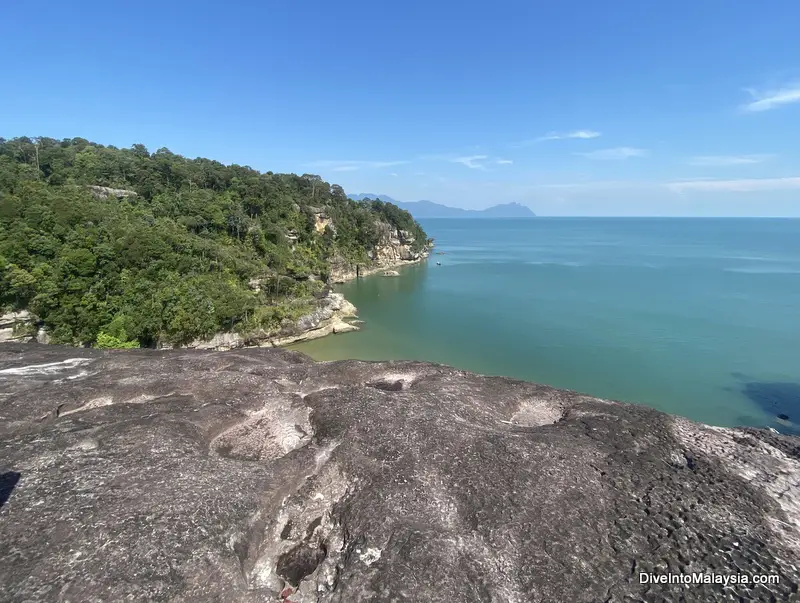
[267,434]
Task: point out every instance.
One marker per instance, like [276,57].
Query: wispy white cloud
[579,134]
[772,99]
[615,153]
[725,160]
[352,166]
[473,161]
[583,134]
[739,186]
[393,174]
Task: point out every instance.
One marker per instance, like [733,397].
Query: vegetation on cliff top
[200,247]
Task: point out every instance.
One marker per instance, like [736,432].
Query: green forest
[173,255]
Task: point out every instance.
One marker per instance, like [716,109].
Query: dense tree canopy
[178,259]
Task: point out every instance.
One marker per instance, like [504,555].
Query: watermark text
[708,578]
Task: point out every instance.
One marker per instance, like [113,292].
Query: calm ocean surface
[698,317]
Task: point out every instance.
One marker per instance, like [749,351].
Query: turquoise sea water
[698,317]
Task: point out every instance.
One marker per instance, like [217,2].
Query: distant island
[429,209]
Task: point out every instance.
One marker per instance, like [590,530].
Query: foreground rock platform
[260,475]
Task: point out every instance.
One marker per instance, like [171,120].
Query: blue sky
[570,107]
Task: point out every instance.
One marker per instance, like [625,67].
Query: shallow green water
[699,317]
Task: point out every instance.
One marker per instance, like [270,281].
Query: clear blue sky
[574,107]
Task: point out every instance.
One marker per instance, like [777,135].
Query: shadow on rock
[781,400]
[8,482]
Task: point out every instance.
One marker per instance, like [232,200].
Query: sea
[695,317]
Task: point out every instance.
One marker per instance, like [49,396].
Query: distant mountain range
[429,209]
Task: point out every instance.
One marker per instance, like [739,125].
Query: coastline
[350,275]
[337,323]
[335,314]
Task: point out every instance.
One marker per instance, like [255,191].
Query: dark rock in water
[255,474]
[780,399]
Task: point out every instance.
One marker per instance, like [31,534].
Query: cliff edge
[395,248]
[258,475]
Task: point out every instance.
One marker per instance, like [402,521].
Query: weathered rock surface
[259,475]
[342,273]
[330,317]
[393,251]
[13,326]
[395,246]
[105,192]
[21,326]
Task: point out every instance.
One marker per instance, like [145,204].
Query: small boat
[438,263]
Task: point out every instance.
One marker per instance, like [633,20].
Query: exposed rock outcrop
[330,317]
[395,246]
[321,222]
[259,475]
[21,326]
[106,192]
[13,326]
[394,250]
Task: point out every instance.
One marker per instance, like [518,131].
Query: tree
[104,340]
[175,261]
[338,192]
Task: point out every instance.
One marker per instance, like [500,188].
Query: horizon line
[539,217]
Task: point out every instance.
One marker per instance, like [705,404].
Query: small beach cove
[693,317]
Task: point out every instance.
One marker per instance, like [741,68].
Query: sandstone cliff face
[321,222]
[21,326]
[327,319]
[330,317]
[259,475]
[393,250]
[14,326]
[394,246]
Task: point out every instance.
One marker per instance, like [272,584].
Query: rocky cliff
[332,314]
[395,248]
[328,318]
[260,475]
[21,326]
